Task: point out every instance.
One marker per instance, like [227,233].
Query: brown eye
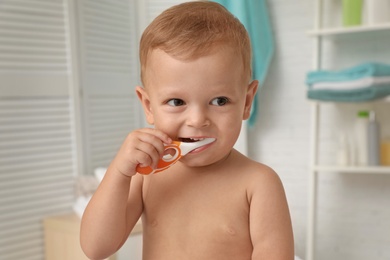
[220,101]
[175,102]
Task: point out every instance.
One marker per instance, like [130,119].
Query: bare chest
[203,217]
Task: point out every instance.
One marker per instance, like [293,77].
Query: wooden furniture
[62,238]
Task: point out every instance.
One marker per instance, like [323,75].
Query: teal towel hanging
[253,14]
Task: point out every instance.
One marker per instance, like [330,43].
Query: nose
[197,118]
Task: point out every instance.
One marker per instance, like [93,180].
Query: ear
[250,95]
[145,101]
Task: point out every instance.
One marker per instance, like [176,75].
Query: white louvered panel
[108,40]
[111,119]
[32,36]
[155,7]
[36,171]
[107,30]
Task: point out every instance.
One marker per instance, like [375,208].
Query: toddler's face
[205,97]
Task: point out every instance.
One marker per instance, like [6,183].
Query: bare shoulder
[270,223]
[263,186]
[259,177]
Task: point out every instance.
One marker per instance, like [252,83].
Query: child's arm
[270,223]
[117,203]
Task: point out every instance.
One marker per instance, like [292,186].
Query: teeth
[191,139]
[197,139]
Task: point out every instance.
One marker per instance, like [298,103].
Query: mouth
[190,140]
[195,144]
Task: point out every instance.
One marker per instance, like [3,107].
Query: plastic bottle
[373,140]
[352,12]
[361,138]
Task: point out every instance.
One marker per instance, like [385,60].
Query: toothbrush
[174,152]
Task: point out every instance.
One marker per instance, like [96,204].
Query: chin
[202,162]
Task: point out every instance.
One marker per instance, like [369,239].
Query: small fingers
[151,132]
[148,154]
[151,146]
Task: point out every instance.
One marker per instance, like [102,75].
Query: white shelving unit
[343,31]
[353,169]
[319,34]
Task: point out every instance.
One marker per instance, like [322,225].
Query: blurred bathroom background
[68,69]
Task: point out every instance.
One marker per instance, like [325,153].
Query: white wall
[354,212]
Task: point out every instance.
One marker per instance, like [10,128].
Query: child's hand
[142,147]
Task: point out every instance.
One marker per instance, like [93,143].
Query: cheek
[236,116]
[166,123]
[235,131]
[231,125]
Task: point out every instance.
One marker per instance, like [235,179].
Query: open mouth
[190,140]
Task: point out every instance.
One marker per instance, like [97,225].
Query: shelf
[353,169]
[337,38]
[385,101]
[344,31]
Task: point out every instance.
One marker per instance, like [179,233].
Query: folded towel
[355,95]
[364,70]
[351,85]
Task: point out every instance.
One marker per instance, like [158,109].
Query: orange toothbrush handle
[165,162]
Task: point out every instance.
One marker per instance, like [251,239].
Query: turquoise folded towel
[371,69]
[356,95]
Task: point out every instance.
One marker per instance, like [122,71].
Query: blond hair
[194,29]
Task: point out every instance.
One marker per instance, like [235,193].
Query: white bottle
[361,138]
[373,140]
